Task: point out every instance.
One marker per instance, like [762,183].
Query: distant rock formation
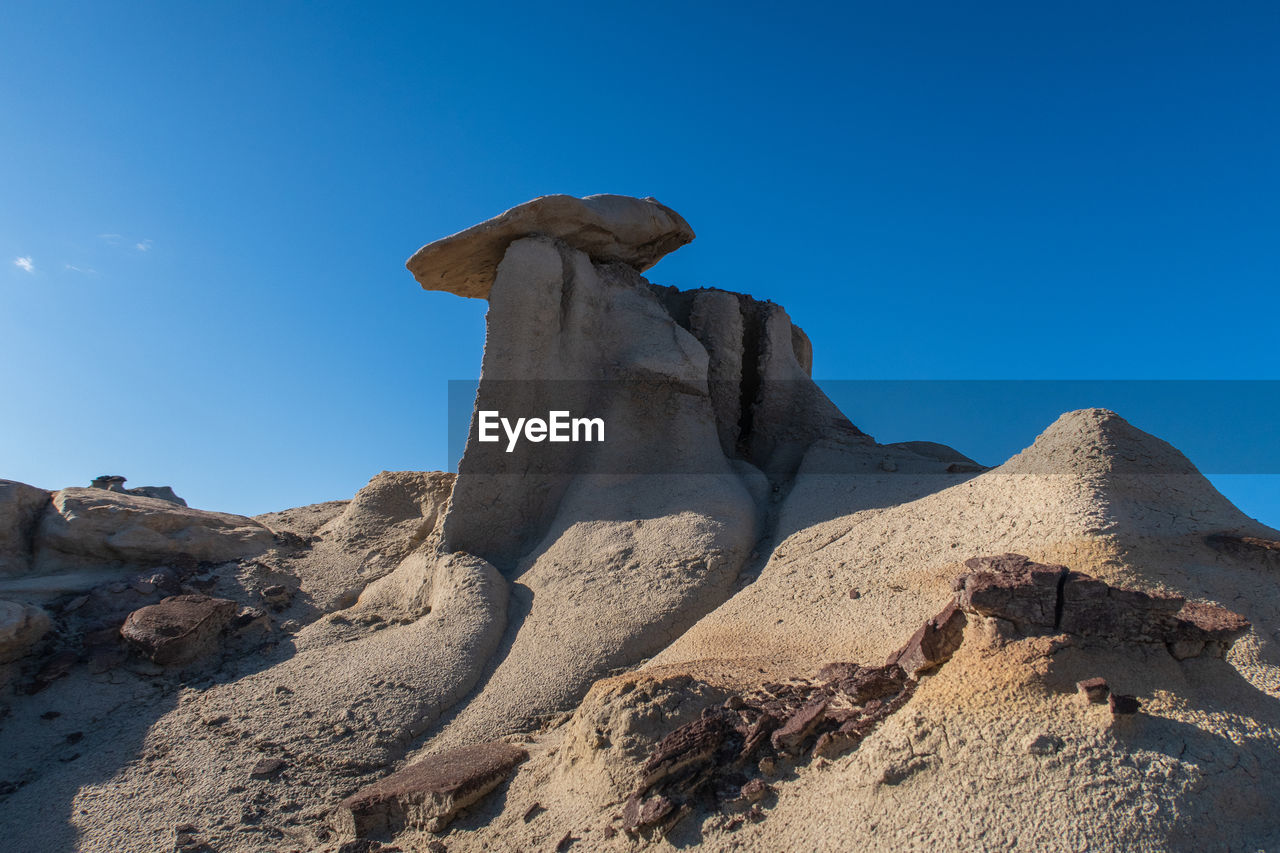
[115,483]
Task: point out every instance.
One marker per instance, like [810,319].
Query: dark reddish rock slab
[1211,623]
[1092,608]
[1124,705]
[1040,599]
[1094,689]
[757,735]
[800,725]
[933,644]
[428,794]
[179,629]
[1012,587]
[692,744]
[702,760]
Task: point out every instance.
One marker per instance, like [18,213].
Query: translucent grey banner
[1225,427]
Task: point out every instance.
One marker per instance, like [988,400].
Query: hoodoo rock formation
[738,622]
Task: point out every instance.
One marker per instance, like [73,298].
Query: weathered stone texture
[428,794]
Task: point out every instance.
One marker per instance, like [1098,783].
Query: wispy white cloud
[82,270]
[129,242]
[25,263]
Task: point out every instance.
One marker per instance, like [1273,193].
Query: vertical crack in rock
[1060,604]
[749,387]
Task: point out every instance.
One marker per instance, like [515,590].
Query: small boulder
[21,627]
[179,629]
[800,725]
[428,794]
[1094,690]
[755,790]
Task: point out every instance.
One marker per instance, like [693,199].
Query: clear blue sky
[216,201]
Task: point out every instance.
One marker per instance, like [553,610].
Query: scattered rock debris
[708,758]
[703,762]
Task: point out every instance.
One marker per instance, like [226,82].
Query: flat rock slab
[609,228]
[104,526]
[933,644]
[179,629]
[428,794]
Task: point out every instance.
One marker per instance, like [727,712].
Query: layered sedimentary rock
[94,526]
[706,401]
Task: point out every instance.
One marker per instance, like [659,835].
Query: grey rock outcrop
[94,526]
[608,228]
[21,627]
[392,515]
[20,509]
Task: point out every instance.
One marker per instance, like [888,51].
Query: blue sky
[216,201]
